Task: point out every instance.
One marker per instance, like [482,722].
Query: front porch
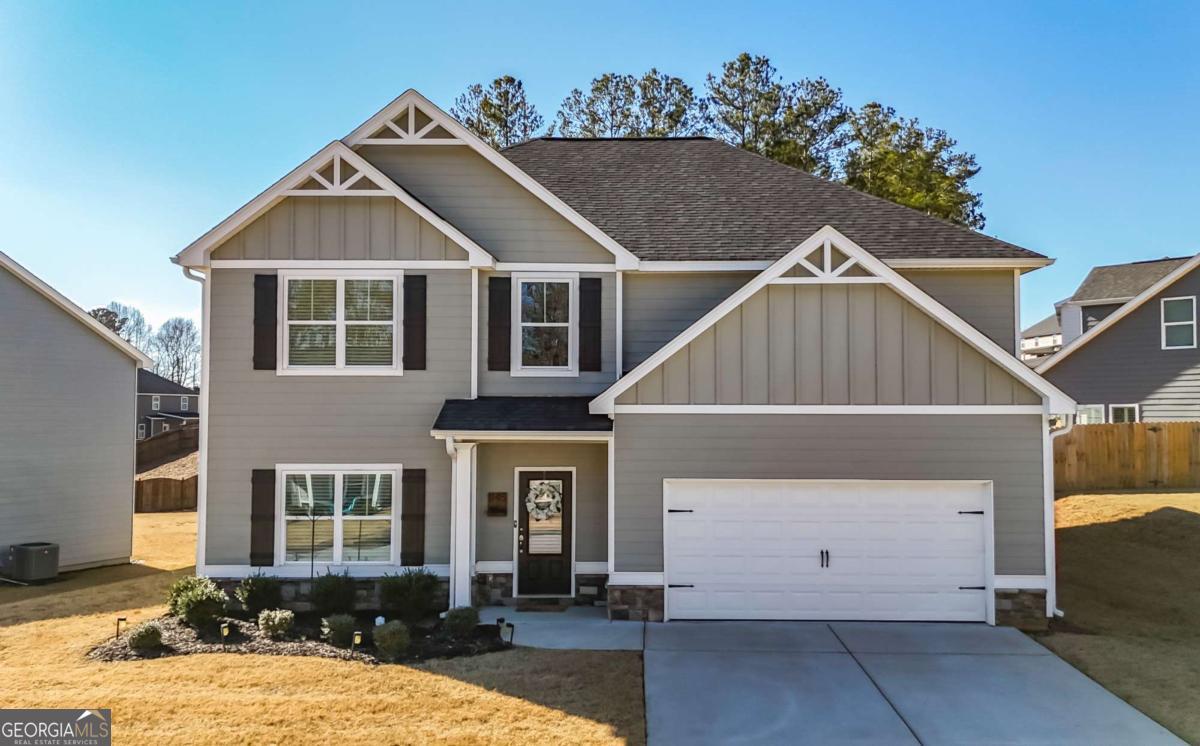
[530,515]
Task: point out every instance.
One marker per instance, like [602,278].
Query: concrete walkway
[576,628]
[877,683]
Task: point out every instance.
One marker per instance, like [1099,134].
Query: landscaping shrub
[145,636]
[259,592]
[411,596]
[200,604]
[333,594]
[461,622]
[183,586]
[391,640]
[338,629]
[276,623]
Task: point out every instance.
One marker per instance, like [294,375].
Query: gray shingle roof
[1119,281]
[698,199]
[1048,325]
[543,413]
[152,383]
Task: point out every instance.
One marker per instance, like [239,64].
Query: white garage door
[784,549]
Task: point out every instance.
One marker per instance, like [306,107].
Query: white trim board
[1138,301]
[60,300]
[526,435]
[196,254]
[339,264]
[902,409]
[502,567]
[758,265]
[1055,399]
[410,98]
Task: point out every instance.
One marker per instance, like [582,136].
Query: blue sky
[128,129]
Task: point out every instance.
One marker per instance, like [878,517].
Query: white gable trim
[197,253]
[362,136]
[65,304]
[1054,399]
[1113,318]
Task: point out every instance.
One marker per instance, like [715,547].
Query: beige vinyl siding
[828,344]
[658,306]
[984,298]
[258,419]
[67,425]
[482,201]
[1006,449]
[495,463]
[340,228]
[503,383]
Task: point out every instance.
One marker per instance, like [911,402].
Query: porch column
[462,519]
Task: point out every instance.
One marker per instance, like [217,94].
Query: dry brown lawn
[1129,584]
[522,696]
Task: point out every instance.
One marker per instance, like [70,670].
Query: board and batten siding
[67,419]
[985,298]
[1126,364]
[334,228]
[1006,449]
[828,344]
[660,305]
[258,419]
[503,383]
[495,463]
[485,203]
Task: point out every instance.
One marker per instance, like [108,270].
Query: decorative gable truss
[334,171]
[864,340]
[409,124]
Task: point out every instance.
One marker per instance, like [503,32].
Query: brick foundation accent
[636,602]
[1023,609]
[295,593]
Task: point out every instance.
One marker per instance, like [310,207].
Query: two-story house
[1129,343]
[163,405]
[667,374]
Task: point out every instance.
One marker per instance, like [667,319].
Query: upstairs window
[546,340]
[184,404]
[341,324]
[155,403]
[1179,323]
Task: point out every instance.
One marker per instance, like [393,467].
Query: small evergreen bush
[183,586]
[145,636]
[276,623]
[410,596]
[391,640]
[333,594]
[259,592]
[338,629]
[461,622]
[199,604]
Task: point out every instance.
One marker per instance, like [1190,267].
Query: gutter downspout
[202,472]
[1070,419]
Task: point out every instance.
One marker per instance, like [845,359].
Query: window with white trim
[155,403]
[1118,413]
[166,426]
[1179,323]
[1089,414]
[141,431]
[338,515]
[184,403]
[341,323]
[546,325]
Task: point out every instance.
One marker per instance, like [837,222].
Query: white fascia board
[759,265]
[60,300]
[1055,399]
[197,253]
[1115,317]
[624,258]
[842,409]
[596,436]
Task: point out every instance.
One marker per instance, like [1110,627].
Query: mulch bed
[245,637]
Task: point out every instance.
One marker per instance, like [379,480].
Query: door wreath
[544,500]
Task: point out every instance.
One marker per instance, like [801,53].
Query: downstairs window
[339,515]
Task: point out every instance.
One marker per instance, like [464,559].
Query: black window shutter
[589,323]
[499,323]
[414,322]
[266,297]
[412,517]
[262,517]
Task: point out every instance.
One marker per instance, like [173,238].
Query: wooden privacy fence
[1129,456]
[162,494]
[169,444]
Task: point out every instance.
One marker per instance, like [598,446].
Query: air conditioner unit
[33,561]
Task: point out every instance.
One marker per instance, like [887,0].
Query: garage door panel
[898,550]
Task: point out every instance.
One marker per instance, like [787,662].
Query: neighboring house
[668,374]
[66,445]
[1041,340]
[164,405]
[1137,359]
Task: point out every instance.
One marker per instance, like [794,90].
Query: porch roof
[520,414]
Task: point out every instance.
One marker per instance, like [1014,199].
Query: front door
[544,507]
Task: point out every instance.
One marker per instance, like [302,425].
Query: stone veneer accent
[1022,608]
[643,603]
[496,588]
[295,593]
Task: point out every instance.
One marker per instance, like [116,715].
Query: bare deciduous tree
[176,351]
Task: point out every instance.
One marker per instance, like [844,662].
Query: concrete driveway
[873,683]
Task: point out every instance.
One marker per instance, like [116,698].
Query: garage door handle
[972,588]
[970,512]
[677,510]
[680,585]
